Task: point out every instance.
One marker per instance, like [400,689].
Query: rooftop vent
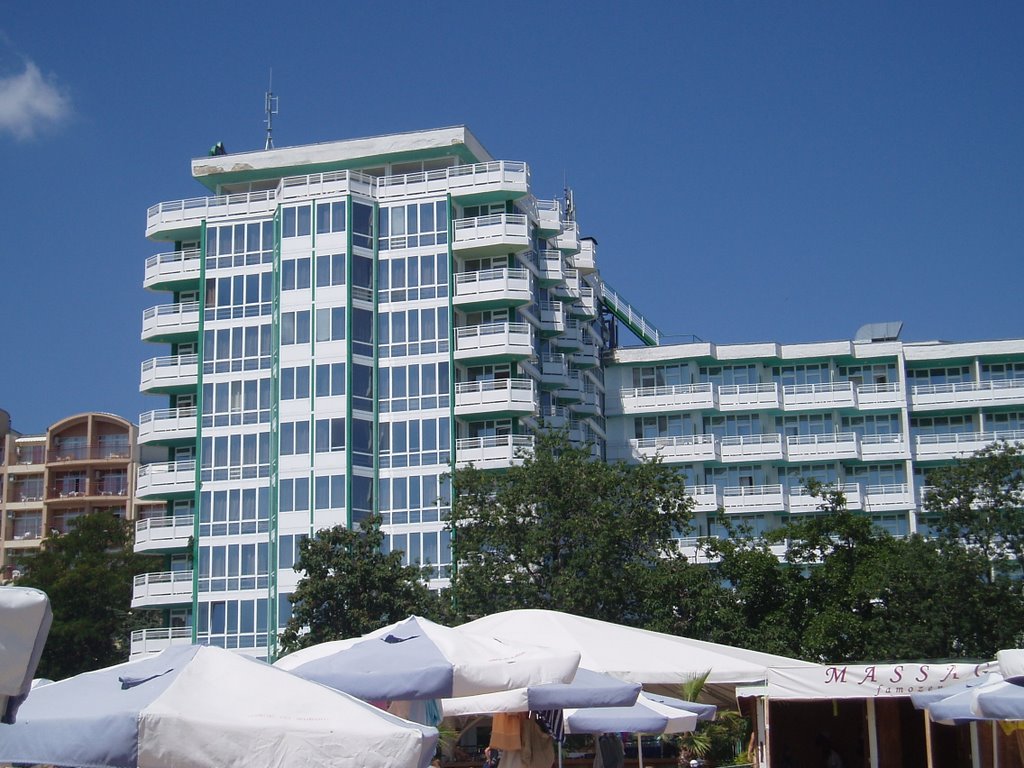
[879,332]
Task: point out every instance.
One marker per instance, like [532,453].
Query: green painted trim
[196,499]
[312,370]
[348,358]
[275,448]
[374,438]
[452,427]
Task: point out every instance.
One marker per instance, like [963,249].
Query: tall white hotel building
[348,321]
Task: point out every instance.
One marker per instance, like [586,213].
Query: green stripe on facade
[196,499]
[374,438]
[452,428]
[275,436]
[348,362]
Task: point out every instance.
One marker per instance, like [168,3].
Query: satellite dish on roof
[879,331]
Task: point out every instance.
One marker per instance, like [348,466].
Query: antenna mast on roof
[270,106]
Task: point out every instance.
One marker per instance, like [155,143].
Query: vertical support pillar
[872,734]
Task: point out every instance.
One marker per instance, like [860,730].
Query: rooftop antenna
[270,106]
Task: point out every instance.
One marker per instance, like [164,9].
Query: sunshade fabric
[194,707]
[418,659]
[646,716]
[627,653]
[587,689]
[25,619]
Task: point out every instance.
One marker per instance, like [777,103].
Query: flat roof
[339,155]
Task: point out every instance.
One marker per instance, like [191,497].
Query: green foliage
[568,533]
[351,587]
[718,740]
[87,573]
[979,502]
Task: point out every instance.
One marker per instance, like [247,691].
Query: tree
[351,586]
[566,532]
[980,501]
[88,574]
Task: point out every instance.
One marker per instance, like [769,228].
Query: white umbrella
[25,619]
[417,659]
[199,707]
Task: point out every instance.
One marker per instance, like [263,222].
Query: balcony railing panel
[174,371]
[837,394]
[840,445]
[888,395]
[150,641]
[494,339]
[767,447]
[497,233]
[173,267]
[494,396]
[158,532]
[967,393]
[165,588]
[753,497]
[167,424]
[504,286]
[172,477]
[951,445]
[748,396]
[493,451]
[677,448]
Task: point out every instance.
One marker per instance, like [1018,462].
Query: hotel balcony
[573,389]
[172,271]
[888,396]
[77,489]
[473,184]
[800,501]
[554,371]
[147,642]
[169,375]
[749,397]
[550,417]
[895,497]
[494,235]
[550,267]
[959,445]
[492,452]
[767,447]
[967,394]
[665,399]
[494,342]
[549,217]
[878,447]
[753,498]
[181,219]
[587,304]
[552,318]
[568,240]
[494,398]
[705,497]
[170,322]
[588,357]
[166,480]
[585,260]
[155,534]
[570,339]
[679,448]
[492,288]
[152,590]
[589,403]
[569,290]
[827,447]
[827,396]
[168,426]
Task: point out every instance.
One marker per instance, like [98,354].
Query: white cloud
[28,103]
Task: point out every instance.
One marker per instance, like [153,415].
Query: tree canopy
[88,574]
[350,586]
[566,532]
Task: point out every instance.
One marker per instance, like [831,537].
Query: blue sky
[753,171]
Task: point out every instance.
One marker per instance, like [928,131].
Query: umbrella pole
[928,739]
[995,744]
[559,754]
[640,750]
[975,746]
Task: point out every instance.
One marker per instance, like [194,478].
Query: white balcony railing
[493,451]
[178,214]
[178,371]
[507,287]
[888,497]
[494,340]
[767,447]
[951,445]
[173,267]
[495,396]
[166,319]
[496,233]
[677,448]
[165,588]
[838,445]
[155,533]
[800,500]
[673,397]
[146,642]
[892,446]
[888,395]
[549,215]
[461,180]
[753,497]
[166,478]
[748,396]
[550,266]
[835,394]
[967,393]
[167,424]
[706,498]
